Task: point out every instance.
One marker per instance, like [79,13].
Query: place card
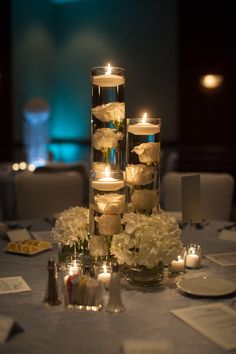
[13,285]
[7,325]
[18,235]
[133,346]
[215,321]
[223,259]
[191,199]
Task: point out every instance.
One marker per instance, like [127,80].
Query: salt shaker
[51,297]
[115,304]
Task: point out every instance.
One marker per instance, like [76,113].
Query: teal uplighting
[69,152]
[151,138]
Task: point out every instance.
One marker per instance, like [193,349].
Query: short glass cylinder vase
[193,256]
[142,276]
[143,164]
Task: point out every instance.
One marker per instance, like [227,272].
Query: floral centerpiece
[146,245]
[71,231]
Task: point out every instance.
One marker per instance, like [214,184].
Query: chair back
[78,166]
[39,195]
[216,193]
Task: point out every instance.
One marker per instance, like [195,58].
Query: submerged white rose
[148,152]
[139,175]
[144,199]
[97,246]
[110,203]
[113,111]
[105,138]
[109,224]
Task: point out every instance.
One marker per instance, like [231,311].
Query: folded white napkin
[227,235]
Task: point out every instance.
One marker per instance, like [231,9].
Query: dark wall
[5,83]
[207,44]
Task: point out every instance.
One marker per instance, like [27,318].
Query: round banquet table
[147,316]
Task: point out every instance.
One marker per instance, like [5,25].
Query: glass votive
[177,266]
[104,271]
[193,256]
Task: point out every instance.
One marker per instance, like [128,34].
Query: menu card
[223,259]
[191,199]
[13,285]
[7,324]
[215,321]
[137,346]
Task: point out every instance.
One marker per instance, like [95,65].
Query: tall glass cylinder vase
[108,132]
[143,164]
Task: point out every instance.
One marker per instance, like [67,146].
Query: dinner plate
[207,286]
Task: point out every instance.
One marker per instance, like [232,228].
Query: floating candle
[108,79]
[144,128]
[107,183]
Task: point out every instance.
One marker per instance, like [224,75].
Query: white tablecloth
[147,316]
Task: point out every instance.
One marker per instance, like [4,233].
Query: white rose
[105,138]
[139,175]
[110,203]
[113,111]
[97,246]
[148,152]
[144,199]
[109,224]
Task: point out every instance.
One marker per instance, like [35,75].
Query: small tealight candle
[72,268]
[108,183]
[144,128]
[108,79]
[104,275]
[177,266]
[193,256]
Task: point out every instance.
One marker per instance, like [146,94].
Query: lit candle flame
[144,118]
[107,171]
[108,72]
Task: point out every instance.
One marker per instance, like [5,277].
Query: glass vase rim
[105,67]
[141,118]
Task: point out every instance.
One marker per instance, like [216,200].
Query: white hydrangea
[146,240]
[71,226]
